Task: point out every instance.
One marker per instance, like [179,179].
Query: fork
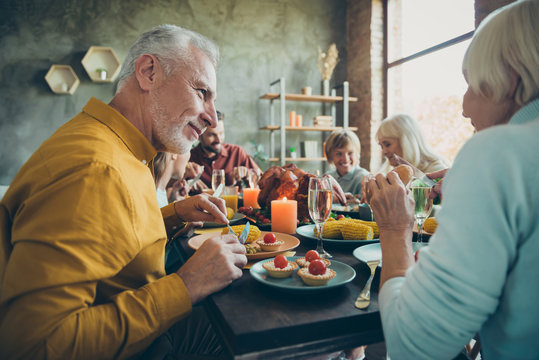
[364,298]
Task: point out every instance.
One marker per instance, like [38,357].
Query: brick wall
[364,39]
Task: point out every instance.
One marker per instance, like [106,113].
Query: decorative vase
[325,87]
[103,74]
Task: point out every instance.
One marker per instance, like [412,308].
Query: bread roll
[405,173]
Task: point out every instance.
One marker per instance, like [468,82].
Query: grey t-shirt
[350,182]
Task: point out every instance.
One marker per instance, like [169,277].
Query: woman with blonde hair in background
[172,168]
[401,135]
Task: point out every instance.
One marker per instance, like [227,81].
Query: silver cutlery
[193,181]
[364,298]
[219,190]
[245,233]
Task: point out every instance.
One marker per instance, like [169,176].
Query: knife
[194,180]
[245,233]
[219,190]
[420,175]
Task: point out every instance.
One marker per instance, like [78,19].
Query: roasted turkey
[293,183]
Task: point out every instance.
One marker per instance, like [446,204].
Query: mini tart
[270,246]
[316,280]
[304,263]
[276,272]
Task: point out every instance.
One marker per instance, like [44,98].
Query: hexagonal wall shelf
[101,64]
[62,79]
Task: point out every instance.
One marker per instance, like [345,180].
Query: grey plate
[237,217]
[374,252]
[308,232]
[345,274]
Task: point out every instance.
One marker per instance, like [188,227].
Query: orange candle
[299,120]
[284,215]
[292,118]
[250,198]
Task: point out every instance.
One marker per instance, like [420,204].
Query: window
[426,43]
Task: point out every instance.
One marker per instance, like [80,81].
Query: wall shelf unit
[98,58]
[62,79]
[282,97]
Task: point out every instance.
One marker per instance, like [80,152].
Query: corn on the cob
[373,225]
[430,225]
[354,230]
[254,232]
[331,229]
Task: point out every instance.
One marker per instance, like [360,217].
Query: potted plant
[102,73]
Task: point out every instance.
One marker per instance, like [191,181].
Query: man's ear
[173,156]
[146,69]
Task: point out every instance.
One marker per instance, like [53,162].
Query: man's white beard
[166,132]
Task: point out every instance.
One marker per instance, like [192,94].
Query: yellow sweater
[82,246]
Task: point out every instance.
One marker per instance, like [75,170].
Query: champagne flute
[423,205]
[319,202]
[217,177]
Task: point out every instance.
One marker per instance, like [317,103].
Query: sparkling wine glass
[319,202]
[217,177]
[423,205]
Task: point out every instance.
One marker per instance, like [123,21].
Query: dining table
[258,321]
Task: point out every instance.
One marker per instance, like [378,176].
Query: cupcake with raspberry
[317,274]
[269,242]
[279,267]
[310,256]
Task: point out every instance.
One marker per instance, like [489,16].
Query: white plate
[308,232]
[344,274]
[374,252]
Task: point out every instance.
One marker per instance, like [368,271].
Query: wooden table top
[259,321]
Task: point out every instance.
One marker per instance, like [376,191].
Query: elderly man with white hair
[82,236]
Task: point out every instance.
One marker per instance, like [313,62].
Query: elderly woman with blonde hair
[475,275]
[401,135]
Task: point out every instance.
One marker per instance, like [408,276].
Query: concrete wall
[260,41]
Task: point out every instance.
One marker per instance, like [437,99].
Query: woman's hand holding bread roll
[405,173]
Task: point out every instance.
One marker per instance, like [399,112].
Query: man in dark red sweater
[213,153]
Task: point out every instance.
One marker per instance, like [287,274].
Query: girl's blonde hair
[160,163]
[339,139]
[415,149]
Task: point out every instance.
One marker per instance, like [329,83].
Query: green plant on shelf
[102,73]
